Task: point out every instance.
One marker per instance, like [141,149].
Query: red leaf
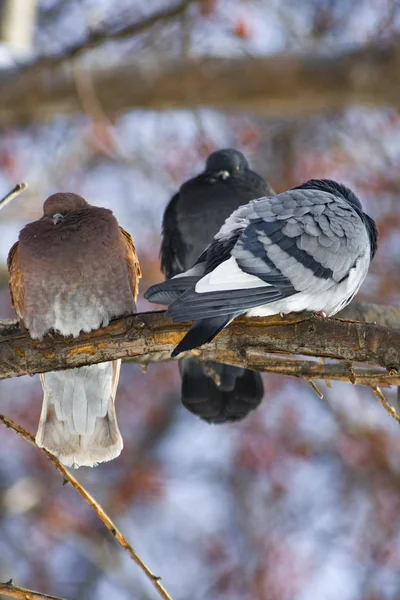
[242,29]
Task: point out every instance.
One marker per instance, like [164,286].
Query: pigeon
[73,270]
[307,249]
[215,392]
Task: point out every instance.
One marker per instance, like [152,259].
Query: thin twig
[212,373]
[103,128]
[13,591]
[87,94]
[316,389]
[20,187]
[67,477]
[388,407]
[327,381]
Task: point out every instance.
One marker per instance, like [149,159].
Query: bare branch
[96,38]
[13,591]
[68,477]
[309,369]
[383,402]
[364,312]
[316,389]
[150,337]
[381,314]
[20,187]
[276,85]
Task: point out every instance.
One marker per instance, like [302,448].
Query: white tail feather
[78,423]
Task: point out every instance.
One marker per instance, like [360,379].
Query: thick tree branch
[276,85]
[150,337]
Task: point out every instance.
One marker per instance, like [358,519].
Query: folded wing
[15,281]
[134,271]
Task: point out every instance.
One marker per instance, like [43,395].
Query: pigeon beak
[57,218]
[223,174]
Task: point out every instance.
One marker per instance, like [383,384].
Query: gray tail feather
[219,393]
[78,423]
[202,332]
[193,306]
[168,291]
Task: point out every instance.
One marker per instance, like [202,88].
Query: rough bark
[150,337]
[277,85]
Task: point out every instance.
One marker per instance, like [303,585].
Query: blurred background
[121,102]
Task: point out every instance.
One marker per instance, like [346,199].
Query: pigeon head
[225,163]
[57,206]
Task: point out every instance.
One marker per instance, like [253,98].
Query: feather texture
[70,275]
[15,281]
[191,219]
[306,249]
[78,423]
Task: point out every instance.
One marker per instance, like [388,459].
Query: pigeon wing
[134,271]
[173,248]
[310,237]
[15,281]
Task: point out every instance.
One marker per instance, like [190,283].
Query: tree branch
[385,404]
[380,314]
[309,369]
[96,38]
[13,591]
[20,187]
[100,512]
[275,85]
[150,337]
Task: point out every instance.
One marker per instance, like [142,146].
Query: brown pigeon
[73,270]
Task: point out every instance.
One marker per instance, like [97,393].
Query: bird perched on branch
[215,392]
[73,270]
[308,249]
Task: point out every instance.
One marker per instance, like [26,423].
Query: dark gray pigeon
[306,249]
[217,393]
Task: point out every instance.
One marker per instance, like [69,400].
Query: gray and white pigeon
[192,218]
[307,249]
